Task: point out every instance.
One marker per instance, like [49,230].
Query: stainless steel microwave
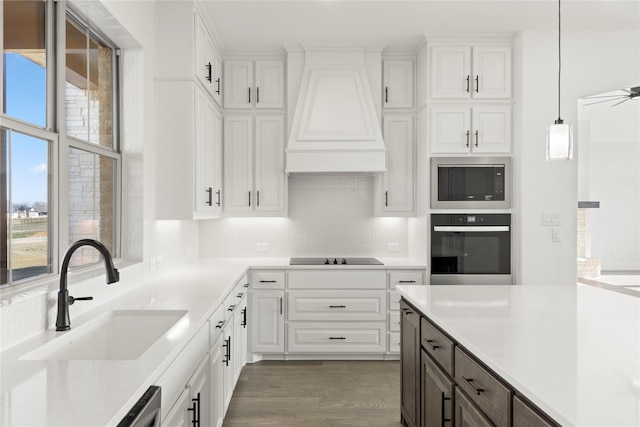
[470,182]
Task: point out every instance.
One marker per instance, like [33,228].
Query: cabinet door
[450,72]
[491,72]
[199,391]
[204,155]
[467,414]
[217,78]
[409,365]
[217,370]
[526,416]
[450,129]
[238,84]
[270,176]
[266,317]
[437,394]
[398,181]
[239,343]
[218,161]
[491,130]
[238,163]
[229,370]
[269,84]
[398,84]
[179,416]
[204,52]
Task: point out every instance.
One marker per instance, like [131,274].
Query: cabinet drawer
[394,300]
[405,278]
[352,279]
[394,321]
[267,279]
[216,323]
[343,337]
[230,303]
[337,305]
[525,415]
[241,288]
[437,345]
[483,388]
[394,342]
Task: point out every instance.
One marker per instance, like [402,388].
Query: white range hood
[335,126]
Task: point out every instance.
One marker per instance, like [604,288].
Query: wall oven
[470,182]
[471,249]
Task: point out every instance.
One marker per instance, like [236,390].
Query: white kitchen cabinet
[217,78]
[470,72]
[266,317]
[399,277]
[228,359]
[338,305]
[485,129]
[217,370]
[398,84]
[396,189]
[199,411]
[239,348]
[337,337]
[188,50]
[254,84]
[188,161]
[254,178]
[179,416]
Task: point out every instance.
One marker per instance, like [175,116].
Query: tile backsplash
[328,215]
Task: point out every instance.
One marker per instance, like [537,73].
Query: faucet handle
[72,299]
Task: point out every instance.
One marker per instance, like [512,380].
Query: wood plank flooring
[317,394]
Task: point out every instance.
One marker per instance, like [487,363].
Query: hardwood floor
[317,394]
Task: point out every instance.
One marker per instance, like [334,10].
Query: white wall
[592,62]
[328,215]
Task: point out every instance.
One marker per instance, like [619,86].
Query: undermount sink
[116,335]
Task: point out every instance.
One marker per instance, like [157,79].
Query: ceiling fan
[621,95]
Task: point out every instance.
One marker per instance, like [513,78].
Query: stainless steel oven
[470,249]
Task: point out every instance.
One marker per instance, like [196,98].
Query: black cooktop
[334,261]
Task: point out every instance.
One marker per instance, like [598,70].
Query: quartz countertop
[574,351]
[98,393]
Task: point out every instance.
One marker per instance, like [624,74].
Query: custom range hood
[335,127]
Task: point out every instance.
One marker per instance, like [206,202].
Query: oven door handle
[471,228]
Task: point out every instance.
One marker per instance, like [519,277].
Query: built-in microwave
[470,182]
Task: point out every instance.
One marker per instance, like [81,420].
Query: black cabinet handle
[246,285]
[477,83]
[442,403]
[258,198]
[386,198]
[257,94]
[210,197]
[386,94]
[467,139]
[337,306]
[280,305]
[218,83]
[406,281]
[231,307]
[240,295]
[476,138]
[244,317]
[220,324]
[467,84]
[469,381]
[249,198]
[433,346]
[337,338]
[218,197]
[195,408]
[226,352]
[229,348]
[209,68]
[267,281]
[249,95]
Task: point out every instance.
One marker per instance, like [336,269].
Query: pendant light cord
[559,60]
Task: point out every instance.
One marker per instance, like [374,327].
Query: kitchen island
[571,351]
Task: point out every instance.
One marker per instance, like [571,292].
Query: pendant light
[559,134]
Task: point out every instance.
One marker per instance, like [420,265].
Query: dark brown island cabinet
[444,385]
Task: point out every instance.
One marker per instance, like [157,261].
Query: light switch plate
[262,247]
[556,235]
[551,218]
[393,247]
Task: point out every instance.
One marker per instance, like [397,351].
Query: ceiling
[397,24]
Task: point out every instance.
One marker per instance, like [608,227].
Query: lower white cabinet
[337,337]
[177,416]
[266,314]
[199,411]
[216,370]
[239,342]
[228,370]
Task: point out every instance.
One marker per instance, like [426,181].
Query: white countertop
[574,351]
[98,393]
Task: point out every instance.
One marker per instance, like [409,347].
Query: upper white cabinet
[254,178]
[254,84]
[188,50]
[397,183]
[398,84]
[485,129]
[464,72]
[188,159]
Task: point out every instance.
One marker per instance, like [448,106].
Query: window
[55,161]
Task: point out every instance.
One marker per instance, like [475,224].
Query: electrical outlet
[153,264]
[556,235]
[262,247]
[552,218]
[393,247]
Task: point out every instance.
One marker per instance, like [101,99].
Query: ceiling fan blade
[605,100]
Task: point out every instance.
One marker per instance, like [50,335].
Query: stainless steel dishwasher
[146,411]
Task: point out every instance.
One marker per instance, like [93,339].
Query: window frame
[56,14]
